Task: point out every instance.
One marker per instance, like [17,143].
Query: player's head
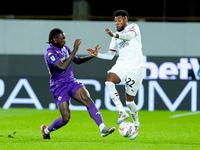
[121,19]
[57,38]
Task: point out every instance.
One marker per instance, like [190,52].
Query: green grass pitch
[20,129]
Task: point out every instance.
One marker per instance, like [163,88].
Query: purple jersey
[52,56]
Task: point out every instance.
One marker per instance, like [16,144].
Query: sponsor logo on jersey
[123,44]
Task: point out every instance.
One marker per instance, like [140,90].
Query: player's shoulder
[66,46]
[133,25]
[50,50]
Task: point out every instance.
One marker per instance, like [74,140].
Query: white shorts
[132,77]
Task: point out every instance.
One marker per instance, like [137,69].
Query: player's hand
[93,52]
[109,32]
[77,44]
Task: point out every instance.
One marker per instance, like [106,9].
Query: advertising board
[170,83]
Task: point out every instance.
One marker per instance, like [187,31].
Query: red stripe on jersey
[133,31]
[113,50]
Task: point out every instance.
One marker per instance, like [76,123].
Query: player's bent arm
[64,65]
[126,36]
[81,60]
[109,55]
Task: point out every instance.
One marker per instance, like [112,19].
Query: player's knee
[129,98]
[109,84]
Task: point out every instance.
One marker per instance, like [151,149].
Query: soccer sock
[46,131]
[56,124]
[114,95]
[133,110]
[95,115]
[101,126]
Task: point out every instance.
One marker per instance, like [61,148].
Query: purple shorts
[64,91]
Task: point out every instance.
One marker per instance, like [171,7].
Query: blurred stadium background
[156,10]
[170,35]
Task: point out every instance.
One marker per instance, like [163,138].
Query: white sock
[133,110]
[101,126]
[46,131]
[114,95]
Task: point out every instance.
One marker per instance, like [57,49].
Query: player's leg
[134,114]
[133,108]
[133,82]
[62,100]
[58,122]
[110,83]
[64,119]
[83,96]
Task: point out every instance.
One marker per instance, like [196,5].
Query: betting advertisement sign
[170,83]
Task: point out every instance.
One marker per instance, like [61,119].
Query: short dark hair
[123,13]
[54,33]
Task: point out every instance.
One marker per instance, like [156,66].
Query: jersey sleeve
[134,28]
[52,58]
[113,45]
[131,31]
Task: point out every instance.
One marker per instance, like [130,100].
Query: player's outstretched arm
[109,55]
[93,53]
[64,65]
[81,60]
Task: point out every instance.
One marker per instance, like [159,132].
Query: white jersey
[130,64]
[129,47]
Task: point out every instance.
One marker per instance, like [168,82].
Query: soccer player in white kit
[129,67]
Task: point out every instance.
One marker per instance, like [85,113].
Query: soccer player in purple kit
[63,85]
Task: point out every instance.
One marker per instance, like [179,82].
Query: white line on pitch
[185,114]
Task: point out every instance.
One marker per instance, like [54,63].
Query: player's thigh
[83,96]
[117,74]
[133,81]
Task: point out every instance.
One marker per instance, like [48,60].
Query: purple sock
[95,114]
[56,124]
